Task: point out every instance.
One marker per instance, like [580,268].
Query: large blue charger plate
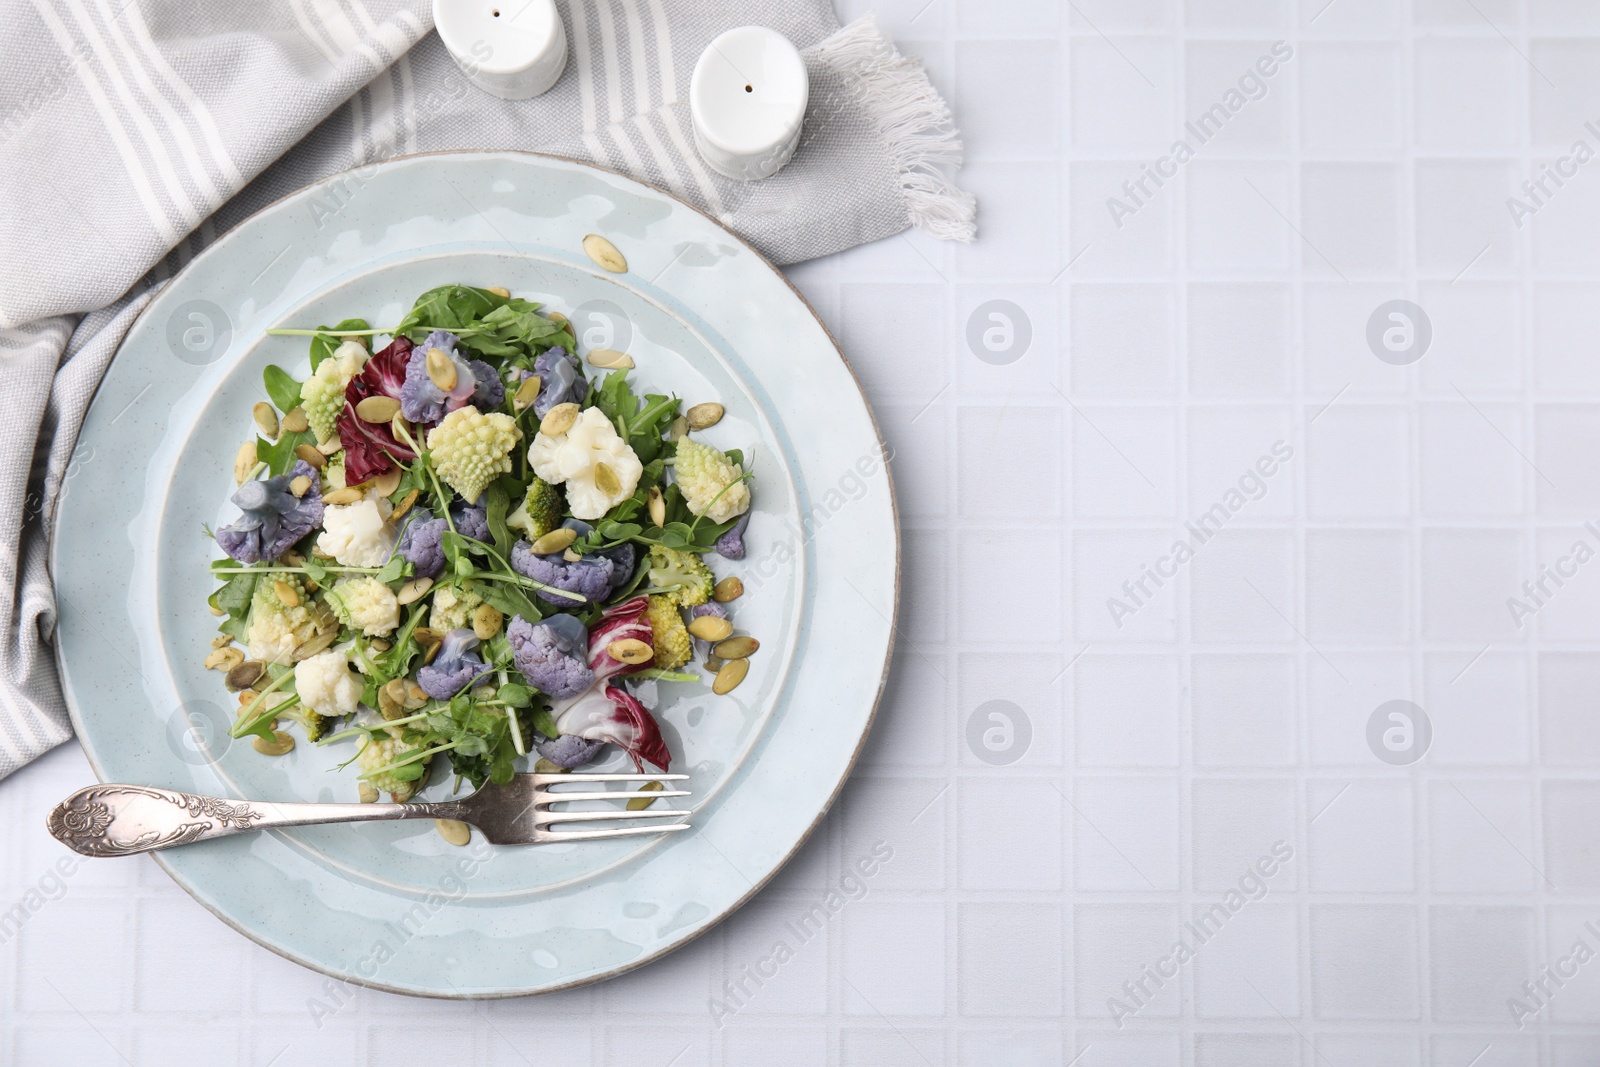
[391,905]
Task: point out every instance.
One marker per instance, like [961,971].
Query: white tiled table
[1138,770]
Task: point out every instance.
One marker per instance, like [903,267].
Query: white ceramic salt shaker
[514,49]
[748,99]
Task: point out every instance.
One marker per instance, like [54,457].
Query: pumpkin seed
[378,644]
[244,461]
[730,588]
[416,696]
[377,408]
[544,766]
[441,369]
[246,674]
[311,646]
[500,291]
[330,446]
[453,831]
[387,482]
[404,505]
[486,620]
[367,792]
[605,479]
[640,803]
[610,359]
[604,254]
[221,641]
[730,675]
[554,541]
[266,419]
[657,505]
[392,698]
[527,392]
[280,745]
[312,456]
[224,659]
[413,590]
[429,641]
[400,428]
[710,628]
[571,556]
[736,647]
[299,485]
[286,593]
[703,416]
[629,650]
[678,429]
[216,610]
[558,420]
[296,421]
[557,318]
[342,496]
[713,664]
[482,692]
[245,697]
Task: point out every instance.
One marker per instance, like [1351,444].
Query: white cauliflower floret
[710,483]
[365,604]
[470,449]
[326,684]
[356,534]
[452,610]
[575,460]
[322,395]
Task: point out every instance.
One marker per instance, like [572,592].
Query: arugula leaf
[509,600]
[518,321]
[281,388]
[497,503]
[545,723]
[233,598]
[279,455]
[322,347]
[449,307]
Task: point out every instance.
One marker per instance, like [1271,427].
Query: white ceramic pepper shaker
[514,49]
[748,100]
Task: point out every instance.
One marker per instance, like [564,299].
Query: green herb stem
[413,758]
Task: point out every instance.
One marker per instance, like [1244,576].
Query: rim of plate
[872,712]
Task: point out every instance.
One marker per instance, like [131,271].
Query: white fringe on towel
[915,122]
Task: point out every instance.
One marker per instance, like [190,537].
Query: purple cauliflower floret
[561,380]
[471,520]
[570,750]
[594,577]
[274,518]
[454,668]
[552,655]
[731,544]
[702,649]
[476,383]
[420,543]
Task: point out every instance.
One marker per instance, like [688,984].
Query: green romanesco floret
[365,604]
[333,473]
[540,511]
[312,722]
[278,628]
[683,575]
[470,449]
[382,751]
[322,395]
[711,484]
[452,608]
[669,638]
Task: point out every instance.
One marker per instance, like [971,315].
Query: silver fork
[121,820]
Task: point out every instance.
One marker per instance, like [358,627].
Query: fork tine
[590,835]
[557,779]
[549,818]
[552,798]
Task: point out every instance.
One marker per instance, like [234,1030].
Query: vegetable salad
[459,549]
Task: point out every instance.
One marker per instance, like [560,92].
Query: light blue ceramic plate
[392,905]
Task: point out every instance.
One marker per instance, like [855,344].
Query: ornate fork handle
[121,820]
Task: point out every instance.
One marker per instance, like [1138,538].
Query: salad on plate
[458,550]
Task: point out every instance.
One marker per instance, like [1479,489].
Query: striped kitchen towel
[133,132]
